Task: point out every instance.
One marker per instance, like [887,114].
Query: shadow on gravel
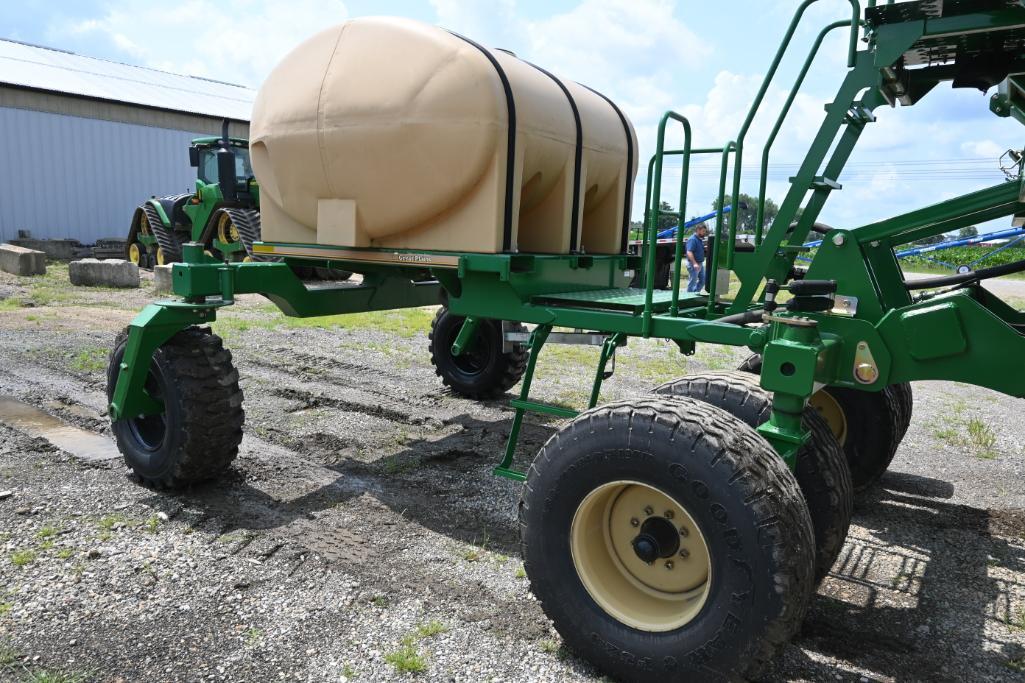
[444,484]
[917,597]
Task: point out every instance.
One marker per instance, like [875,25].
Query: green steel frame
[870,334]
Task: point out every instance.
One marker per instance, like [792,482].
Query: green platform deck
[630,300]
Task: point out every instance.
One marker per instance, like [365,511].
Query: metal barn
[83,140]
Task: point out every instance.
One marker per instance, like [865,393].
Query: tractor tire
[868,425]
[656,562]
[197,436]
[482,371]
[905,400]
[821,471]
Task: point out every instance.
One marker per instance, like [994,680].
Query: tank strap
[510,161]
[574,236]
[629,168]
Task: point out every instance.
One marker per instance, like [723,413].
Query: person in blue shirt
[696,258]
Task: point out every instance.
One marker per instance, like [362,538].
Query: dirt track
[362,528]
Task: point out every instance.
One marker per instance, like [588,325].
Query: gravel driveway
[361,535]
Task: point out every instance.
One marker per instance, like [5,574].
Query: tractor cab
[215,158]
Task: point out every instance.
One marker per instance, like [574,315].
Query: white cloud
[494,22]
[983,149]
[230,40]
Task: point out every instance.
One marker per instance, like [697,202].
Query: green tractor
[224,217]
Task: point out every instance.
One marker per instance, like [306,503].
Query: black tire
[663,275]
[905,401]
[875,424]
[197,436]
[481,372]
[744,502]
[822,471]
[331,275]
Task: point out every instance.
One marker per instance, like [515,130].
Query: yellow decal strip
[413,259]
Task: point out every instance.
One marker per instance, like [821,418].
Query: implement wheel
[135,254]
[482,371]
[654,559]
[821,471]
[868,425]
[162,258]
[197,436]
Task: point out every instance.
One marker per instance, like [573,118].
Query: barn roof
[36,67]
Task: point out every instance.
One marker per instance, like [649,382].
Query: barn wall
[65,176]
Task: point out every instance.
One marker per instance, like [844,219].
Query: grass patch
[107,522]
[47,531]
[1017,620]
[10,304]
[520,573]
[152,524]
[477,549]
[22,558]
[379,601]
[92,359]
[407,659]
[65,553]
[431,628]
[971,433]
[404,322]
[8,655]
[5,607]
[53,677]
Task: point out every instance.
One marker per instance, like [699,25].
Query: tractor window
[208,165]
[243,168]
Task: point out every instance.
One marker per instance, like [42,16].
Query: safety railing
[653,192]
[738,163]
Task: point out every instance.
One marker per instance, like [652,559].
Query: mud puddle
[33,421]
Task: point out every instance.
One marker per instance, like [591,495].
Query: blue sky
[704,59]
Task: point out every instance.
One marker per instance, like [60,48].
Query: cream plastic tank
[385,132]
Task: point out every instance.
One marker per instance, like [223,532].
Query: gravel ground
[361,534]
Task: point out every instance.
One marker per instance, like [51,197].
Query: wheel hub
[640,555]
[658,538]
[829,408]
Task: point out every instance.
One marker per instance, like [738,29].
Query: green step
[630,299]
[546,408]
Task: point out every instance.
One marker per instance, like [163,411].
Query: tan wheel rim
[161,259]
[134,255]
[247,259]
[829,408]
[143,223]
[655,596]
[227,232]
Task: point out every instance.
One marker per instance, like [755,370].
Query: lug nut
[635,522]
[669,564]
[684,531]
[684,553]
[668,514]
[649,511]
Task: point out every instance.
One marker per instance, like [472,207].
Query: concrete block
[162,278]
[90,272]
[59,250]
[22,261]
